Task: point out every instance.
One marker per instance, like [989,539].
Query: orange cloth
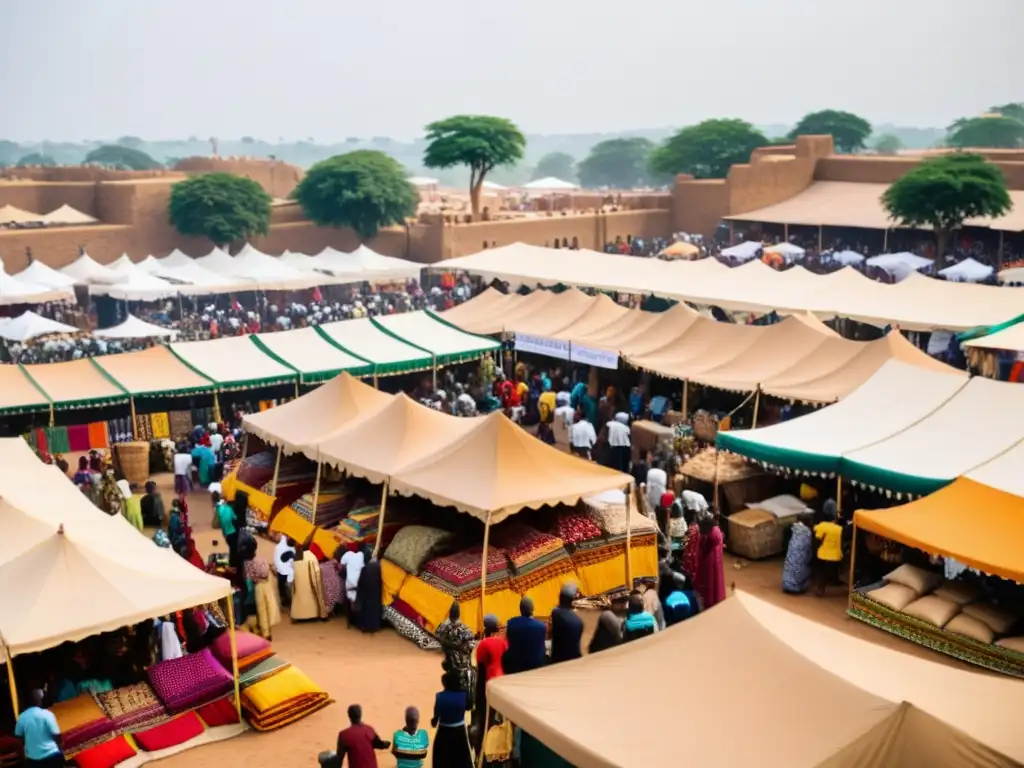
[98,436]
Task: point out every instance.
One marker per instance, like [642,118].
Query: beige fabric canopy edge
[831,699]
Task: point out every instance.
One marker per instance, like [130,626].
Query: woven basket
[754,534]
[134,460]
[705,426]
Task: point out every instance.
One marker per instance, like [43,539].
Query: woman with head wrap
[369,596]
[619,441]
[83,477]
[711,573]
[203,454]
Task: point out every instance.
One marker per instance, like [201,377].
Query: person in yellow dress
[132,506]
[829,535]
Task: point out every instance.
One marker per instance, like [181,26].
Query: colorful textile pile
[410,629]
[426,601]
[120,430]
[331,505]
[415,544]
[180,425]
[360,524]
[536,558]
[78,438]
[252,650]
[175,731]
[189,681]
[392,578]
[98,435]
[81,720]
[288,523]
[281,699]
[132,705]
[574,526]
[263,670]
[459,574]
[258,469]
[143,427]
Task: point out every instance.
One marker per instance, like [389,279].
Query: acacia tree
[617,163]
[364,190]
[995,131]
[561,165]
[120,156]
[480,142]
[220,206]
[848,131]
[943,192]
[707,150]
[887,144]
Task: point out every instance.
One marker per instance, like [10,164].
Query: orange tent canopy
[980,526]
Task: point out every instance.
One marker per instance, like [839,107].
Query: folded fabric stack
[459,574]
[360,524]
[288,523]
[281,699]
[252,650]
[574,526]
[81,721]
[180,424]
[536,556]
[257,469]
[392,578]
[172,733]
[263,670]
[189,681]
[132,706]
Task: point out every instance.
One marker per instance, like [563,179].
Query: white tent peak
[41,274]
[134,328]
[29,325]
[88,271]
[968,271]
[68,215]
[550,184]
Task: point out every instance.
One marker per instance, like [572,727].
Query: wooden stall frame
[11,682]
[131,405]
[234,655]
[316,486]
[277,469]
[380,518]
[629,533]
[483,567]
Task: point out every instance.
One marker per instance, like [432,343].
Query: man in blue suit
[526,636]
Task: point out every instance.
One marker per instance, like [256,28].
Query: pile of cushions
[258,469]
[190,681]
[132,705]
[282,698]
[415,544]
[360,524]
[81,720]
[574,526]
[459,574]
[536,558]
[953,606]
[252,650]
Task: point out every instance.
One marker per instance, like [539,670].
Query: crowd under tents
[28,325]
[916,303]
[798,358]
[817,696]
[900,265]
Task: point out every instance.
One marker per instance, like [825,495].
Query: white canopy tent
[38,273]
[87,271]
[28,325]
[123,265]
[300,261]
[493,186]
[134,328]
[203,281]
[150,265]
[178,258]
[788,251]
[899,265]
[138,286]
[550,184]
[16,291]
[847,258]
[1012,275]
[265,271]
[744,251]
[67,215]
[967,271]
[9,214]
[365,265]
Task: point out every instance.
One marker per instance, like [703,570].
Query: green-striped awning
[233,363]
[448,345]
[315,357]
[387,353]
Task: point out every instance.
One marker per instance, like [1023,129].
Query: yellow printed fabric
[292,525]
[161,426]
[605,576]
[643,561]
[229,485]
[262,502]
[392,577]
[430,603]
[328,541]
[503,603]
[280,699]
[545,594]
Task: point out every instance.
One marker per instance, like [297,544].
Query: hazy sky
[329,69]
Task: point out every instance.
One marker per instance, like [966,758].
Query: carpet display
[410,630]
[81,720]
[132,704]
[190,681]
[459,574]
[282,699]
[575,526]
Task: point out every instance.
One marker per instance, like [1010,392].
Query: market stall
[311,354]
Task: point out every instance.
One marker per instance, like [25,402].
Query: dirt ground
[386,673]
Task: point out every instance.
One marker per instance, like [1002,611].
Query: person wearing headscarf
[307,589]
[457,643]
[639,623]
[691,547]
[268,610]
[203,454]
[132,505]
[547,401]
[111,497]
[711,574]
[367,615]
[608,633]
[152,506]
[796,570]
[566,627]
[619,441]
[330,576]
[83,477]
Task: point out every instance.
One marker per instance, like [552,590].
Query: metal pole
[433,367]
[316,489]
[821,240]
[853,559]
[380,518]
[234,655]
[718,457]
[483,578]
[11,683]
[839,496]
[629,534]
[686,397]
[757,403]
[131,403]
[277,469]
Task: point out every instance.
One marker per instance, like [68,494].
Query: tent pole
[433,368]
[757,404]
[487,719]
[885,242]
[999,253]
[316,488]
[821,240]
[853,559]
[234,655]
[131,403]
[686,398]
[629,534]
[216,408]
[718,458]
[785,232]
[376,384]
[483,581]
[277,469]
[52,419]
[10,681]
[839,496]
[245,445]
[380,519]
[296,386]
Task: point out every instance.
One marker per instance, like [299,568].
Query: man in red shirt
[358,742]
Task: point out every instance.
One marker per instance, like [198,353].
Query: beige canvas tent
[76,384]
[153,372]
[787,692]
[317,414]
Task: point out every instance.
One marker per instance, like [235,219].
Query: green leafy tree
[561,165]
[9,152]
[364,190]
[887,144]
[617,163]
[480,142]
[848,131]
[123,157]
[220,206]
[944,191]
[994,131]
[707,150]
[132,142]
[36,158]
[1014,110]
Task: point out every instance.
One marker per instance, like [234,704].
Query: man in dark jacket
[526,636]
[566,627]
